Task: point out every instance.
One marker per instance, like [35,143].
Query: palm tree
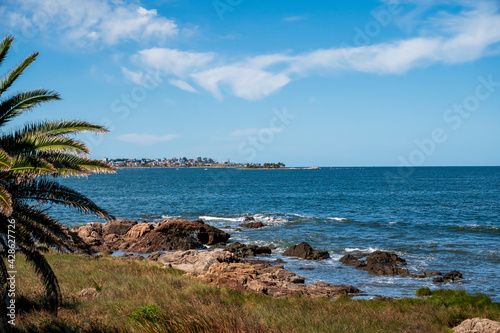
[31,158]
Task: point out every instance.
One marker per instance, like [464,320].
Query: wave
[170,216]
[220,218]
[476,228]
[340,219]
[272,219]
[357,249]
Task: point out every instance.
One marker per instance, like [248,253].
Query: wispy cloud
[136,77]
[446,38]
[182,85]
[146,139]
[88,22]
[293,18]
[245,132]
[172,61]
[252,131]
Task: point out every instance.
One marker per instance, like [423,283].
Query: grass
[137,296]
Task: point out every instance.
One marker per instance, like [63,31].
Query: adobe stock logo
[223,6]
[454,118]
[382,17]
[258,142]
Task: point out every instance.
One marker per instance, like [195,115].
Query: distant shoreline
[221,167]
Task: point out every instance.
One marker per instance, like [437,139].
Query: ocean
[437,218]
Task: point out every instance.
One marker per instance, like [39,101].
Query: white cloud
[136,77]
[252,131]
[172,61]
[293,18]
[245,132]
[182,85]
[88,22]
[248,83]
[446,38]
[145,139]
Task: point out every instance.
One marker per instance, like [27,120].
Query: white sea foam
[170,216]
[219,218]
[298,215]
[270,219]
[393,222]
[340,219]
[357,249]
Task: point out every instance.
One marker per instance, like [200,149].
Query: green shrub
[149,313]
[423,292]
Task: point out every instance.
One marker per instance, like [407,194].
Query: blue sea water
[437,218]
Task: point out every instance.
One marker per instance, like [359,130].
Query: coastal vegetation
[31,157]
[139,296]
[183,162]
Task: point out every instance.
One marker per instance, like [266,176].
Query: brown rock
[249,218]
[130,256]
[111,238]
[87,294]
[205,233]
[89,236]
[378,263]
[195,262]
[253,225]
[267,279]
[478,325]
[138,230]
[448,277]
[305,251]
[129,236]
[154,256]
[351,260]
[118,227]
[242,250]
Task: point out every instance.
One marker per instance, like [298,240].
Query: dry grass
[141,297]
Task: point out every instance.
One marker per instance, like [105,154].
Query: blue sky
[338,83]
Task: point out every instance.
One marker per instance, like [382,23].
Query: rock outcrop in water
[271,280]
[253,225]
[242,250]
[305,251]
[131,236]
[448,277]
[378,263]
[382,263]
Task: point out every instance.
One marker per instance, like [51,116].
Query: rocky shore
[183,245]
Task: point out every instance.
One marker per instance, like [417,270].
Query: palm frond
[46,274]
[9,79]
[62,127]
[5,201]
[43,229]
[53,192]
[59,143]
[30,165]
[5,160]
[5,46]
[74,165]
[24,101]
